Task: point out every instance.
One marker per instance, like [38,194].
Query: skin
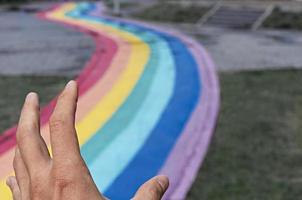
[65,174]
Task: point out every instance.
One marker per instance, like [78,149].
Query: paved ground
[291,5]
[32,46]
[242,50]
[117,93]
[247,50]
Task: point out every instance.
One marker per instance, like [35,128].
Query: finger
[11,182]
[31,145]
[22,176]
[64,141]
[154,189]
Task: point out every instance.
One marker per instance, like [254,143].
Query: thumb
[154,189]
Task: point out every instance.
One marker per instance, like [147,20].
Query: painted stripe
[182,175]
[7,158]
[195,140]
[173,129]
[140,127]
[103,137]
[119,92]
[121,89]
[111,102]
[140,55]
[89,75]
[150,158]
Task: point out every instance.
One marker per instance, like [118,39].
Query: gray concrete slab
[29,45]
[234,50]
[249,50]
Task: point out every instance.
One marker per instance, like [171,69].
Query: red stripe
[105,49]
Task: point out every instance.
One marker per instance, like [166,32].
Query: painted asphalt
[148,104]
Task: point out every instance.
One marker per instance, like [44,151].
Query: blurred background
[256,152]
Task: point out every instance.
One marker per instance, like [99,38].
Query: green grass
[13,2]
[14,88]
[284,20]
[166,12]
[257,149]
[110,4]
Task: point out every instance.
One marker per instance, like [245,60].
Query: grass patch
[166,12]
[257,149]
[284,20]
[13,2]
[14,88]
[123,5]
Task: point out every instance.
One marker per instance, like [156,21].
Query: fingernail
[70,84]
[163,181]
[31,97]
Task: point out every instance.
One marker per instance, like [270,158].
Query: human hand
[64,175]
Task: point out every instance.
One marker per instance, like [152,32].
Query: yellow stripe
[104,109]
[4,191]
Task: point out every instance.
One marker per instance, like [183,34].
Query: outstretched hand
[65,174]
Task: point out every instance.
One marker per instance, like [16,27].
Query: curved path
[148,104]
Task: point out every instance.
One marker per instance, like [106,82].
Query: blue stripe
[155,151]
[95,145]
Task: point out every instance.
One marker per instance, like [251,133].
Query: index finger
[63,137]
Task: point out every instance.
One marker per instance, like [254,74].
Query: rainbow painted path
[148,104]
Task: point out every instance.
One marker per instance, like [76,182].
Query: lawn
[110,4]
[167,12]
[284,20]
[257,148]
[14,89]
[12,1]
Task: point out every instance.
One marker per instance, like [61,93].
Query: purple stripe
[192,146]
